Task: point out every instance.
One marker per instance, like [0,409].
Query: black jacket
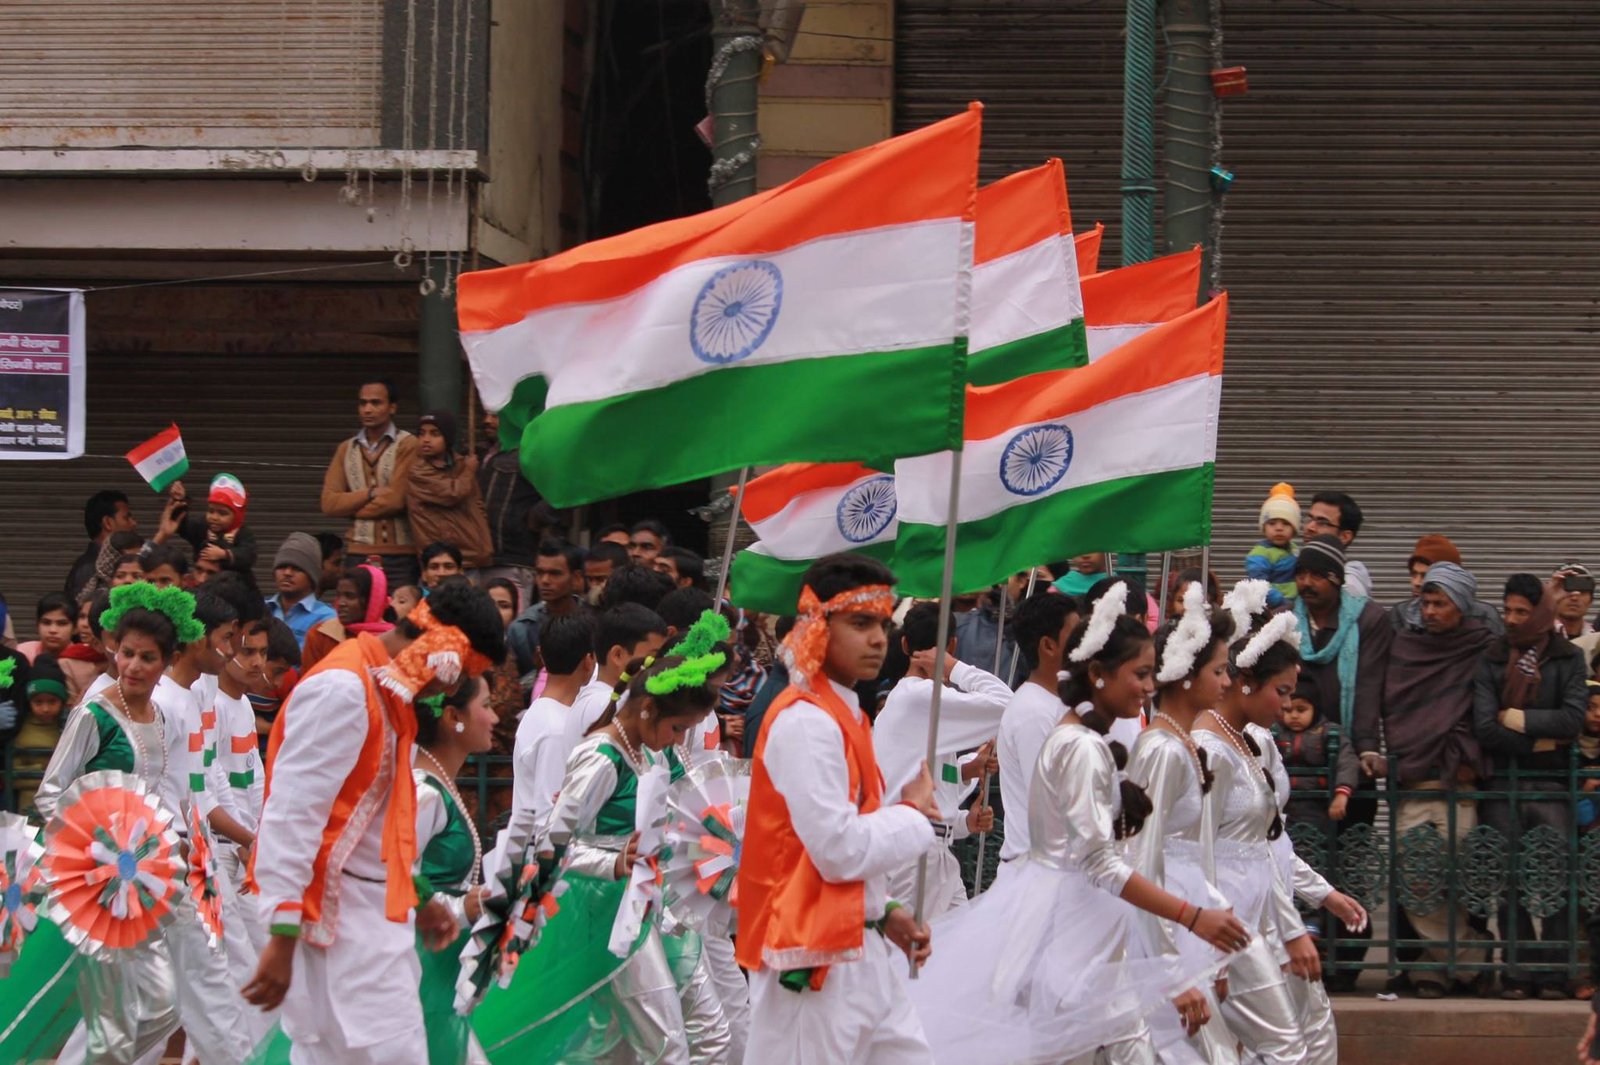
[514,508]
[1556,711]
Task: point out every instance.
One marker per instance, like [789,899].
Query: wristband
[1196,918]
[424,889]
[286,920]
[891,906]
[1183,909]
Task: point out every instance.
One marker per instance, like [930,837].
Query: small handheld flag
[161,459]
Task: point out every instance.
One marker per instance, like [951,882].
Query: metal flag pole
[946,593]
[1016,650]
[1166,575]
[733,527]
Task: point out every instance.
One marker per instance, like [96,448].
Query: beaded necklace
[133,733]
[438,773]
[1188,741]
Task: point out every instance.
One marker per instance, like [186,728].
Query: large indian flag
[1116,456]
[801,512]
[822,320]
[1128,302]
[1027,309]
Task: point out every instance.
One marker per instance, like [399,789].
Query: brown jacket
[379,524]
[446,505]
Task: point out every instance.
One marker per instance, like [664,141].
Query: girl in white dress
[1037,968]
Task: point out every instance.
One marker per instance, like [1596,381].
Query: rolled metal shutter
[191,73]
[1411,247]
[273,420]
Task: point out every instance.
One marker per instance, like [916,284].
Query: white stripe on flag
[1025,293]
[886,289]
[1168,428]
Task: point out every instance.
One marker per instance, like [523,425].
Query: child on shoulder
[1273,558]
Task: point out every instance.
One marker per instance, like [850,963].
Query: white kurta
[1028,719]
[354,1000]
[970,710]
[862,1013]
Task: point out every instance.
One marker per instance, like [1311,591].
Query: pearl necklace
[1188,741]
[438,773]
[1233,734]
[628,749]
[138,742]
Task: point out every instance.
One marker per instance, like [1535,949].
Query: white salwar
[862,1013]
[970,709]
[354,999]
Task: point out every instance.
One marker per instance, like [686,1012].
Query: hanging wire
[240,277]
[309,170]
[404,256]
[466,135]
[454,88]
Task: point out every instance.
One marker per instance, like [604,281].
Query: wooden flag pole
[733,527]
[946,593]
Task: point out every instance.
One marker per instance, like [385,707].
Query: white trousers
[716,952]
[355,1001]
[862,1015]
[210,1008]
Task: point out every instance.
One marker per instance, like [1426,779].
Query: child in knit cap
[1272,560]
[220,536]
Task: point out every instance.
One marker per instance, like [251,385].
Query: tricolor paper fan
[112,862]
[706,836]
[22,887]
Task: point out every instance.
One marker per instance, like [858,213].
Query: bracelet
[1183,908]
[1196,918]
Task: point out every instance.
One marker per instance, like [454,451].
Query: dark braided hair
[1136,805]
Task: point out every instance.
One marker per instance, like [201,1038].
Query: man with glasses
[1336,514]
[1573,600]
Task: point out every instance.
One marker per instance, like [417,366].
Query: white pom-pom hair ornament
[1248,598]
[1283,627]
[1192,633]
[1110,606]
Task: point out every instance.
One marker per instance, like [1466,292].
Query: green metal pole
[1187,129]
[438,346]
[731,101]
[1139,133]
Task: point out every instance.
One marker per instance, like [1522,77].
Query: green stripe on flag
[1061,348]
[1152,512]
[163,480]
[832,409]
[772,585]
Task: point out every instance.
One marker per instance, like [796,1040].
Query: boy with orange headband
[337,843]
[816,922]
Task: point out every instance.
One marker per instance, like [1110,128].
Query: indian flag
[801,512]
[1027,310]
[1087,246]
[822,320]
[1116,456]
[1124,303]
[161,459]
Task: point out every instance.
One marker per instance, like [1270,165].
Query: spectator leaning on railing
[1427,724]
[1529,706]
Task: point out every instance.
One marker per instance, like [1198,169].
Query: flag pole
[946,593]
[733,527]
[983,787]
[1166,575]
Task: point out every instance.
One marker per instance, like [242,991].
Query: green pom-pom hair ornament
[8,672]
[434,704]
[698,662]
[175,604]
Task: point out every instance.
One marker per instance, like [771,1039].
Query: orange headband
[807,643]
[441,653]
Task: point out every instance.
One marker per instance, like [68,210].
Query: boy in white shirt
[1042,624]
[539,755]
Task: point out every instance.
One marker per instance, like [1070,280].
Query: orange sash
[789,916]
[361,656]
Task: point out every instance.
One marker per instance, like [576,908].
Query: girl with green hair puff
[572,999]
[130,998]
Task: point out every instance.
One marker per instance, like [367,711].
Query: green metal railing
[1551,869]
